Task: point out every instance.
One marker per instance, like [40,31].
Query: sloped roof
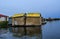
[17,15]
[33,15]
[1,15]
[28,15]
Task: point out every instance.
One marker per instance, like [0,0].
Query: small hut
[26,19]
[18,19]
[33,19]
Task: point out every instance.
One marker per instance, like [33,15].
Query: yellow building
[26,19]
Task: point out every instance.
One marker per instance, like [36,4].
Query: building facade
[3,17]
[3,21]
[27,19]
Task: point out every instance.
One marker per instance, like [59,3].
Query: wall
[29,21]
[2,18]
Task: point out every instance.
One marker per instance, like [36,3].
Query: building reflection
[30,32]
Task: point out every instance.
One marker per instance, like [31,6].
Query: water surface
[51,30]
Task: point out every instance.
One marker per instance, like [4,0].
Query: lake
[51,30]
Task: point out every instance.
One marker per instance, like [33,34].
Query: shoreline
[51,19]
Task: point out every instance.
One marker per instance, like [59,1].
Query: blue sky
[48,8]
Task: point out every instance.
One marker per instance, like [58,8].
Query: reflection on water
[49,31]
[19,33]
[31,32]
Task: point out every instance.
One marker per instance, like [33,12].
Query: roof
[1,15]
[28,15]
[17,15]
[33,15]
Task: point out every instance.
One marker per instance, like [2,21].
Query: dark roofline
[1,15]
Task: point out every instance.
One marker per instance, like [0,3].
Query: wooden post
[6,18]
[6,21]
[25,24]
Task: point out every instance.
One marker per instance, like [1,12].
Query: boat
[44,22]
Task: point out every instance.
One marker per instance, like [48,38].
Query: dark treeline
[51,19]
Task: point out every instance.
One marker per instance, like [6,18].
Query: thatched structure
[30,19]
[26,19]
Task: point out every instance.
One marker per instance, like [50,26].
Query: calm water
[51,30]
